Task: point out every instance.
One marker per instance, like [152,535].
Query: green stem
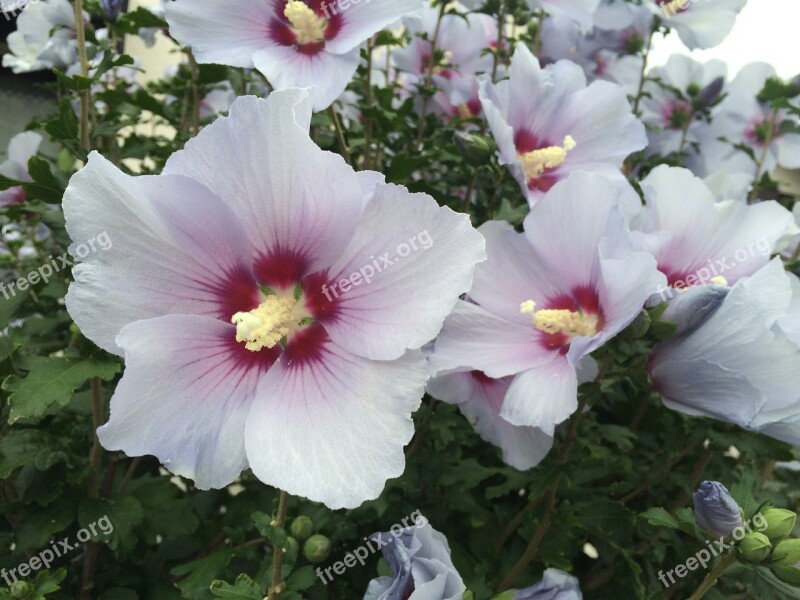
[85,95]
[711,579]
[340,134]
[429,77]
[645,58]
[277,558]
[763,158]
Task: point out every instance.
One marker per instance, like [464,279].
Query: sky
[766,30]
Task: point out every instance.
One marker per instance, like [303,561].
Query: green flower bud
[476,149]
[507,595]
[786,553]
[302,527]
[317,548]
[790,575]
[754,547]
[780,523]
[292,546]
[21,589]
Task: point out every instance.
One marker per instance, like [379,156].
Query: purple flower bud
[112,8]
[715,509]
[709,94]
[555,585]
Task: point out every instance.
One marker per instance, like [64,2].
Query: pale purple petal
[185,396]
[162,245]
[332,425]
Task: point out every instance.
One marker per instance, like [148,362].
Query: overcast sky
[766,30]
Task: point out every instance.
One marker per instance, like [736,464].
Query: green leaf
[112,520]
[660,518]
[244,588]
[198,575]
[302,579]
[790,592]
[45,186]
[52,381]
[9,306]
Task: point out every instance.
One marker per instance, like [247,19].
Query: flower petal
[332,426]
[185,396]
[219,34]
[475,339]
[362,20]
[543,396]
[413,259]
[299,205]
[325,73]
[165,245]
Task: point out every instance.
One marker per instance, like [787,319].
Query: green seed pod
[317,548]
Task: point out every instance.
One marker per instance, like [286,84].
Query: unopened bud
[787,553]
[302,527]
[780,523]
[754,547]
[476,149]
[710,94]
[715,509]
[317,548]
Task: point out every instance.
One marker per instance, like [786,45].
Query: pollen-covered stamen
[536,162]
[719,280]
[266,325]
[308,27]
[568,322]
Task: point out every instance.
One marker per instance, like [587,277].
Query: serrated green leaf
[52,381]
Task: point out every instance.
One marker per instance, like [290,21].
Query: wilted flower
[549,124]
[294,43]
[715,509]
[20,149]
[422,569]
[546,299]
[270,304]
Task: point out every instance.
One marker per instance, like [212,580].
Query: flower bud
[780,523]
[476,149]
[507,595]
[754,547]
[715,509]
[21,589]
[710,94]
[317,548]
[786,553]
[292,546]
[302,527]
